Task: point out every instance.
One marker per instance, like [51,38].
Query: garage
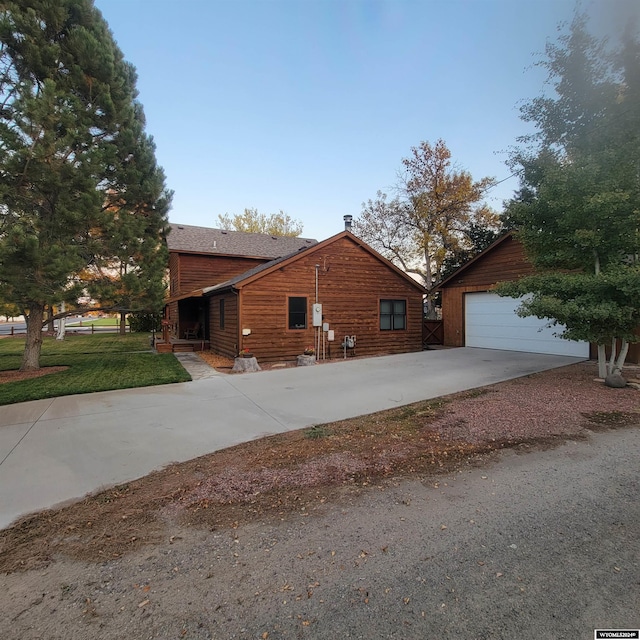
[491,323]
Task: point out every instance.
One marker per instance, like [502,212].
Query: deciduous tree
[578,208]
[431,218]
[251,221]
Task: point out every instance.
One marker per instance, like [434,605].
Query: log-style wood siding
[351,283]
[173,317]
[506,261]
[453,313]
[195,271]
[174,274]
[224,341]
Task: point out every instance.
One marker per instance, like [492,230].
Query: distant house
[268,308]
[474,316]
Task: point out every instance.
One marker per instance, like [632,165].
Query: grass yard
[99,362]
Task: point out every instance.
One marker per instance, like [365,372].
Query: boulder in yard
[615,380]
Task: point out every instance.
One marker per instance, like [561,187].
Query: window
[221,313]
[393,315]
[297,313]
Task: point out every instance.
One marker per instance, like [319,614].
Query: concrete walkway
[59,449]
[196,367]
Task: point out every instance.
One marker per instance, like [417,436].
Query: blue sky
[309,105]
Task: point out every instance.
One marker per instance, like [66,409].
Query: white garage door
[491,322]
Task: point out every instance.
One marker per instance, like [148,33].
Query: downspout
[239,345]
[317,267]
[316,339]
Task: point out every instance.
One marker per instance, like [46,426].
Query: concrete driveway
[55,450]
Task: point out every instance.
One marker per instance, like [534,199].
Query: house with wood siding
[268,308]
[202,256]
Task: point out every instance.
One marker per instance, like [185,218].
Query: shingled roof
[189,239]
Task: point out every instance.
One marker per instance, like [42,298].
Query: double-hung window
[393,315]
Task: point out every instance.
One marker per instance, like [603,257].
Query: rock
[305,361]
[615,380]
[245,365]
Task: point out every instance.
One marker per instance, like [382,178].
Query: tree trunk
[430,312]
[50,313]
[123,323]
[602,361]
[62,324]
[430,309]
[33,345]
[612,357]
[624,349]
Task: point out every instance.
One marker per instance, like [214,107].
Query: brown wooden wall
[351,283]
[194,271]
[173,318]
[453,313]
[506,261]
[633,355]
[174,274]
[224,341]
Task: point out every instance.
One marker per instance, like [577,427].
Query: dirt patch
[16,375]
[603,420]
[301,470]
[221,363]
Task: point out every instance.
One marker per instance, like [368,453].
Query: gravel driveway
[540,545]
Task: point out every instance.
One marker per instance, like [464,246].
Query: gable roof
[186,238]
[263,269]
[460,270]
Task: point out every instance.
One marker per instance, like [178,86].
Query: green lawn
[97,362]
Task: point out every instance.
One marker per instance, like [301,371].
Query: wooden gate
[432,332]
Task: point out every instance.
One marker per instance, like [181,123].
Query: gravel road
[541,545]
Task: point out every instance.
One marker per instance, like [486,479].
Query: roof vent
[180,226]
[215,245]
[274,237]
[223,232]
[347,222]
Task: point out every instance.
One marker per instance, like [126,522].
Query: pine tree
[129,274]
[67,114]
